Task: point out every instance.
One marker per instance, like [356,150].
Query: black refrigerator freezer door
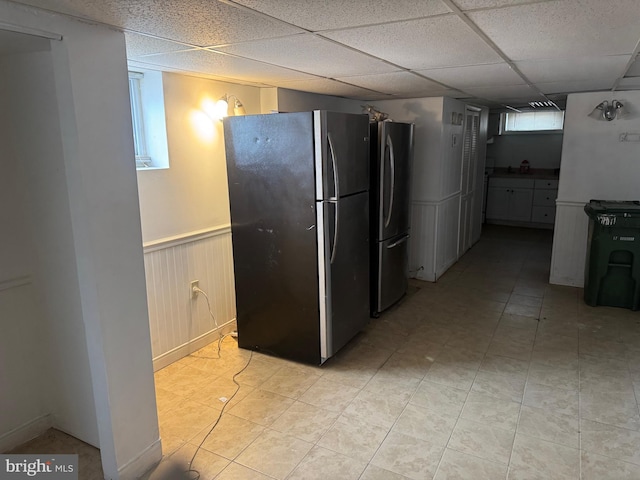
[346,272]
[342,154]
[393,271]
[393,175]
[270,164]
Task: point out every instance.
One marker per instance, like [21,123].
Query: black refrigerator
[391,158]
[299,198]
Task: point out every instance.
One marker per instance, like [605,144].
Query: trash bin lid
[610,213]
[613,207]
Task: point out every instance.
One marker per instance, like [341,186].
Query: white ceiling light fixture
[222,106]
[607,111]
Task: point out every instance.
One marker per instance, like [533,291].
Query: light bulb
[222,109]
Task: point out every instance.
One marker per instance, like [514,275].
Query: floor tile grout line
[524,393]
[475,376]
[465,401]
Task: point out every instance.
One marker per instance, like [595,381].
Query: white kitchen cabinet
[498,203]
[522,201]
[510,199]
[520,204]
[544,201]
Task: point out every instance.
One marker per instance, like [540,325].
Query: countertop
[540,173]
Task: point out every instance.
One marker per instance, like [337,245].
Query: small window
[542,121]
[137,117]
[148,120]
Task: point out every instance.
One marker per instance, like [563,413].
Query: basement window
[547,121]
[148,120]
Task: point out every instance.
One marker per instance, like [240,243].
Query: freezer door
[393,270]
[345,272]
[342,154]
[395,146]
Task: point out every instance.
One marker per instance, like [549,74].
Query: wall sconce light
[222,106]
[607,111]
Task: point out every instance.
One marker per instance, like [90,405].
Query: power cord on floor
[198,290]
[192,472]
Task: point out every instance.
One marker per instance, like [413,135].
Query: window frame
[504,120]
[143,160]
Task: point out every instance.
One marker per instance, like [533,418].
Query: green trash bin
[612,269]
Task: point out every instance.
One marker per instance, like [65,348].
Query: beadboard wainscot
[571,230]
[181,324]
[434,237]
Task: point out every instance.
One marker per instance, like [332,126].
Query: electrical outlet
[192,286]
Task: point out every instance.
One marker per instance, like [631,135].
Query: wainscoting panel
[180,324]
[25,401]
[447,234]
[569,244]
[422,246]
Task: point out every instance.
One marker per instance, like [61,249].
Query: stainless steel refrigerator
[391,157]
[299,197]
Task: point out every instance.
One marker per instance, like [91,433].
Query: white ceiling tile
[589,85]
[370,97]
[326,86]
[634,69]
[330,14]
[475,75]
[140,45]
[473,4]
[226,66]
[310,53]
[135,65]
[198,22]
[396,83]
[432,42]
[504,92]
[482,101]
[574,68]
[562,28]
[630,83]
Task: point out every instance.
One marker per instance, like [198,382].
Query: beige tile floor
[56,442]
[490,373]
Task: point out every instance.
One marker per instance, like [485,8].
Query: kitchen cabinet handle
[336,187]
[392,171]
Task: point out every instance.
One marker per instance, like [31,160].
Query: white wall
[595,165]
[23,360]
[44,224]
[542,150]
[192,194]
[296,101]
[185,219]
[92,250]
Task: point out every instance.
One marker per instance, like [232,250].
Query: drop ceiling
[490,52]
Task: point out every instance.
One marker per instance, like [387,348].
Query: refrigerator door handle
[399,242]
[336,200]
[392,172]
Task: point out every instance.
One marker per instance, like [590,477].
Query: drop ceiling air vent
[545,104]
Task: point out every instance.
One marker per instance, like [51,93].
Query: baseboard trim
[25,432]
[141,464]
[197,343]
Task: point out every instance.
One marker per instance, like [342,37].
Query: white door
[467,187]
